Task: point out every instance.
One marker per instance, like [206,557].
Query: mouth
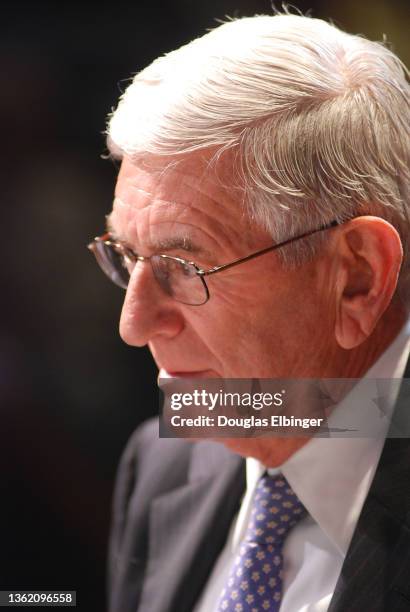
[187,374]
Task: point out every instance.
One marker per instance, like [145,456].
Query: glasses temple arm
[334,223]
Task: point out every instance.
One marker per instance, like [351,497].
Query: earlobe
[370,255]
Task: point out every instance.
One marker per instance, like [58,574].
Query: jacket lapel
[188,527]
[377,565]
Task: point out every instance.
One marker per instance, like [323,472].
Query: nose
[148,312]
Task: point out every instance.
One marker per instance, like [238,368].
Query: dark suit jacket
[174,502]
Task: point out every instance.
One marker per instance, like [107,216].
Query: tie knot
[275,510]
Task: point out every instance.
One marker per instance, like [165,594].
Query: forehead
[183,200]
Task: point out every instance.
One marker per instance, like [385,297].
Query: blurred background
[70,392]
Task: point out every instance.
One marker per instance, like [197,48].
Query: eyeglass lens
[177,278]
[112,263]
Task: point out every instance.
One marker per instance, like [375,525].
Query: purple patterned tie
[255,580]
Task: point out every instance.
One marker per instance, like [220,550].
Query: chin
[271,452]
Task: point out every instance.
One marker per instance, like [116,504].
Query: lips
[187,374]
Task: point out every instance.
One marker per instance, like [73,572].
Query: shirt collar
[332,476]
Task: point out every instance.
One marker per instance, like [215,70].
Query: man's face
[262,320]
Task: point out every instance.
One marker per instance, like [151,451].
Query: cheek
[236,334]
[267,332]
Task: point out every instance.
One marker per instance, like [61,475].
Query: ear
[369,255]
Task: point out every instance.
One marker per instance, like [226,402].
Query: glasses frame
[201,273]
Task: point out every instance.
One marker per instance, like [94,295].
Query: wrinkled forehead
[192,191]
[178,176]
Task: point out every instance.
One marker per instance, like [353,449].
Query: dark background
[71,393]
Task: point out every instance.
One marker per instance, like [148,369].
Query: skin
[329,318]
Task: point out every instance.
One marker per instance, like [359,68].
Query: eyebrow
[183,243]
[177,242]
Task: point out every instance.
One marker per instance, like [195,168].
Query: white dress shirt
[332,477]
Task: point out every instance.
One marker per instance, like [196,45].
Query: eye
[188,270]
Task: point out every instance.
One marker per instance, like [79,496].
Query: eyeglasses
[181,279]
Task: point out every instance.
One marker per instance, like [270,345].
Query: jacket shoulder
[149,467]
[150,464]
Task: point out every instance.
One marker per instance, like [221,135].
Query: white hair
[316,121]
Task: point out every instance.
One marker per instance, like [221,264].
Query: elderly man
[280,145]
